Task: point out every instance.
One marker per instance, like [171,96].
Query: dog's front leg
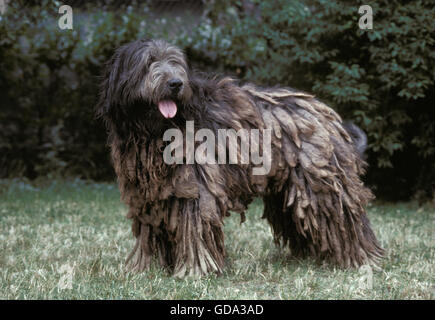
[198,236]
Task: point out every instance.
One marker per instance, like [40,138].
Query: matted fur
[314,199]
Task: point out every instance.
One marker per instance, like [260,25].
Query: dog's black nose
[175,84]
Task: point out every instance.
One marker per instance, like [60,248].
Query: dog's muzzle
[167,107]
[175,85]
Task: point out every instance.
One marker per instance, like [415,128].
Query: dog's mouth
[168,108]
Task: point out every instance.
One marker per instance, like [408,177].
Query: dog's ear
[108,88]
[119,75]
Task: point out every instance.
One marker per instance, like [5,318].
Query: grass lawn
[68,240]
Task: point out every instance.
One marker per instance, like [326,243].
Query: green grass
[56,226]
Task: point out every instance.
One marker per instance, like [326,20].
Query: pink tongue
[168,108]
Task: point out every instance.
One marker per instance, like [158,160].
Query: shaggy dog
[313,197]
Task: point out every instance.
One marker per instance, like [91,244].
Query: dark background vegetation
[382,79]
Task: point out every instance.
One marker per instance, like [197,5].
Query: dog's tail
[358,136]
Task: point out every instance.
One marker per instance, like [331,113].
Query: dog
[313,196]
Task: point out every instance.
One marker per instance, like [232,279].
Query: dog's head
[146,75]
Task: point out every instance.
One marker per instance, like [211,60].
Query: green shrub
[49,86]
[382,79]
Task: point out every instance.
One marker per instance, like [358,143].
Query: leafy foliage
[382,79]
[48,83]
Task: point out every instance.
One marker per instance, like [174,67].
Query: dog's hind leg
[321,207]
[324,224]
[284,227]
